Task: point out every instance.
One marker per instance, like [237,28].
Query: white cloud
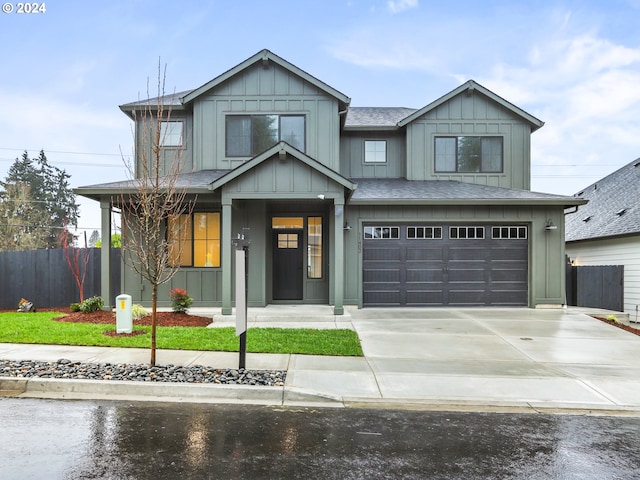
[397,6]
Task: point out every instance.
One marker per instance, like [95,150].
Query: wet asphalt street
[49,439]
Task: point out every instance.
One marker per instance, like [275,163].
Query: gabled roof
[613,209]
[282,148]
[378,191]
[471,87]
[265,56]
[169,101]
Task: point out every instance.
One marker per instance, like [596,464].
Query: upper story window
[469,154]
[171,134]
[375,151]
[249,135]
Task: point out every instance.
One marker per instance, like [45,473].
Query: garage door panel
[468,274]
[467,297]
[417,254]
[377,254]
[381,275]
[424,298]
[511,253]
[382,298]
[466,253]
[424,275]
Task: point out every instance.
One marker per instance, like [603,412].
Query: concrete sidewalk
[475,359]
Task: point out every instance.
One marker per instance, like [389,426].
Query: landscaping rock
[65,368]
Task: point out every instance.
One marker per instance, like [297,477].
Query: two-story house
[353,206]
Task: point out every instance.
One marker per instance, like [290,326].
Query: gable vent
[621,212]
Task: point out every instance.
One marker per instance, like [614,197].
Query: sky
[573,64]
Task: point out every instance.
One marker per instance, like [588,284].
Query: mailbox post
[241,242]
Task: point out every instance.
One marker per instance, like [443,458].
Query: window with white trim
[509,232]
[419,233]
[381,233]
[466,233]
[171,134]
[375,151]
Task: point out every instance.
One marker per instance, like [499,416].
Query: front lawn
[40,328]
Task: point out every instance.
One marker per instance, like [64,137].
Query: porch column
[225,239]
[338,246]
[105,255]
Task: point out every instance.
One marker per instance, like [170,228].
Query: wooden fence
[44,277]
[597,286]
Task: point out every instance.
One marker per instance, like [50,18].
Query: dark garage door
[445,265]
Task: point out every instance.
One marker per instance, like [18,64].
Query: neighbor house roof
[470,88]
[447,192]
[613,208]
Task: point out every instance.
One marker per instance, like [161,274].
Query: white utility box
[124,314]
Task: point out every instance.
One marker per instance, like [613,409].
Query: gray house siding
[260,90]
[470,115]
[169,155]
[352,162]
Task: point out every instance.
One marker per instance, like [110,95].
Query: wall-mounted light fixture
[347,226]
[549,225]
[321,196]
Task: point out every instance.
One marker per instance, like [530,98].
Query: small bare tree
[156,199]
[77,259]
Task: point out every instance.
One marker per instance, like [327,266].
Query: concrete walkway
[477,359]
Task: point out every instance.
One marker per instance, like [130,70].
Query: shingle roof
[193,182]
[613,208]
[376,116]
[375,190]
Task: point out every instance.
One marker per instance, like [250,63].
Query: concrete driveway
[556,357]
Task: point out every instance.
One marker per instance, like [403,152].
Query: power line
[60,151]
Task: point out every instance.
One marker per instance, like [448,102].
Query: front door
[287,264]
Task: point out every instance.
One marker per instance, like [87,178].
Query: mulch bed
[164,319]
[628,328]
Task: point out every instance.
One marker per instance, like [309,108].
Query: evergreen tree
[52,203]
[94,238]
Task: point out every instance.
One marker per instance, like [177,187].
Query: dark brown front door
[287,264]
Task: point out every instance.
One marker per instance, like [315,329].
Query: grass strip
[40,328]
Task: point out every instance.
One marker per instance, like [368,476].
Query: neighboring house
[355,206]
[606,231]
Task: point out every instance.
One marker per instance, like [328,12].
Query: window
[314,246]
[508,232]
[288,240]
[466,233]
[417,233]
[375,151]
[194,240]
[249,135]
[381,233]
[171,134]
[469,154]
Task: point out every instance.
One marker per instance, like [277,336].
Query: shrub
[74,307]
[138,311]
[92,304]
[180,300]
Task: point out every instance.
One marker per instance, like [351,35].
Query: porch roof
[375,191]
[192,182]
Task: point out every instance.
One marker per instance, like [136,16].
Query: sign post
[241,242]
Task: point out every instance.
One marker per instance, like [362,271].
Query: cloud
[397,6]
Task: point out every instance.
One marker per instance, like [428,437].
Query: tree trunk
[154,308]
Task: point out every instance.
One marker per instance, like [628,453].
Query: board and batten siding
[471,115]
[181,156]
[352,163]
[546,274]
[615,251]
[259,90]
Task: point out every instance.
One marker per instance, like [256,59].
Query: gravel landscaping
[64,368]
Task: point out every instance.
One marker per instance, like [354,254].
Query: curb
[80,389]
